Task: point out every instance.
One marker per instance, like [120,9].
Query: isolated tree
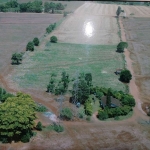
[39,126]
[118,11]
[16,58]
[17,115]
[108,98]
[53,39]
[36,41]
[125,76]
[30,46]
[121,46]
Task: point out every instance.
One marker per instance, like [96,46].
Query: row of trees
[13,5]
[53,6]
[17,57]
[50,28]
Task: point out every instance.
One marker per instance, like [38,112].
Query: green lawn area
[100,60]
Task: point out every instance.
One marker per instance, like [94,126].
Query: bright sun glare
[88,29]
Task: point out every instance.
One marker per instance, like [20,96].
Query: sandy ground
[111,135]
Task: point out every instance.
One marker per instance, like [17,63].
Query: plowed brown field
[17,29]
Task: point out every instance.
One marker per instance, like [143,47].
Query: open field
[33,75]
[17,29]
[100,60]
[101,28]
[137,33]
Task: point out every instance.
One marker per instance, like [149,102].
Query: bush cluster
[114,112]
[40,108]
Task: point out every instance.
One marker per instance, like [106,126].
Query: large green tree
[17,115]
[30,46]
[125,76]
[16,58]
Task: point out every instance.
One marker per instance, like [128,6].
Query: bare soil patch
[137,33]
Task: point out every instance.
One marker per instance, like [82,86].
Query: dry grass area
[94,23]
[137,33]
[17,29]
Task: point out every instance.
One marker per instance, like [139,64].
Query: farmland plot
[17,29]
[137,32]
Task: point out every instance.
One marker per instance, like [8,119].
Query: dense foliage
[121,46]
[50,28]
[17,115]
[40,108]
[16,58]
[30,46]
[53,39]
[125,76]
[88,107]
[53,6]
[14,6]
[36,41]
[4,95]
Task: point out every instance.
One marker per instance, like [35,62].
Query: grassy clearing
[100,60]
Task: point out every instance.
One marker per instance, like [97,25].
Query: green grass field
[100,60]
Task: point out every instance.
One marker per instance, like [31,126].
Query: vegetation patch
[37,68]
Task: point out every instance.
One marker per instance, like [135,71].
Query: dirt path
[132,86]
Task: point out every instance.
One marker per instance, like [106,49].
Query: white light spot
[88,29]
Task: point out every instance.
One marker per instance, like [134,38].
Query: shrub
[66,113]
[39,126]
[121,46]
[58,128]
[48,30]
[102,115]
[40,108]
[125,76]
[88,107]
[30,46]
[25,138]
[36,41]
[53,39]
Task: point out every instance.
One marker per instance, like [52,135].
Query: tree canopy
[30,46]
[125,76]
[118,11]
[17,115]
[16,58]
